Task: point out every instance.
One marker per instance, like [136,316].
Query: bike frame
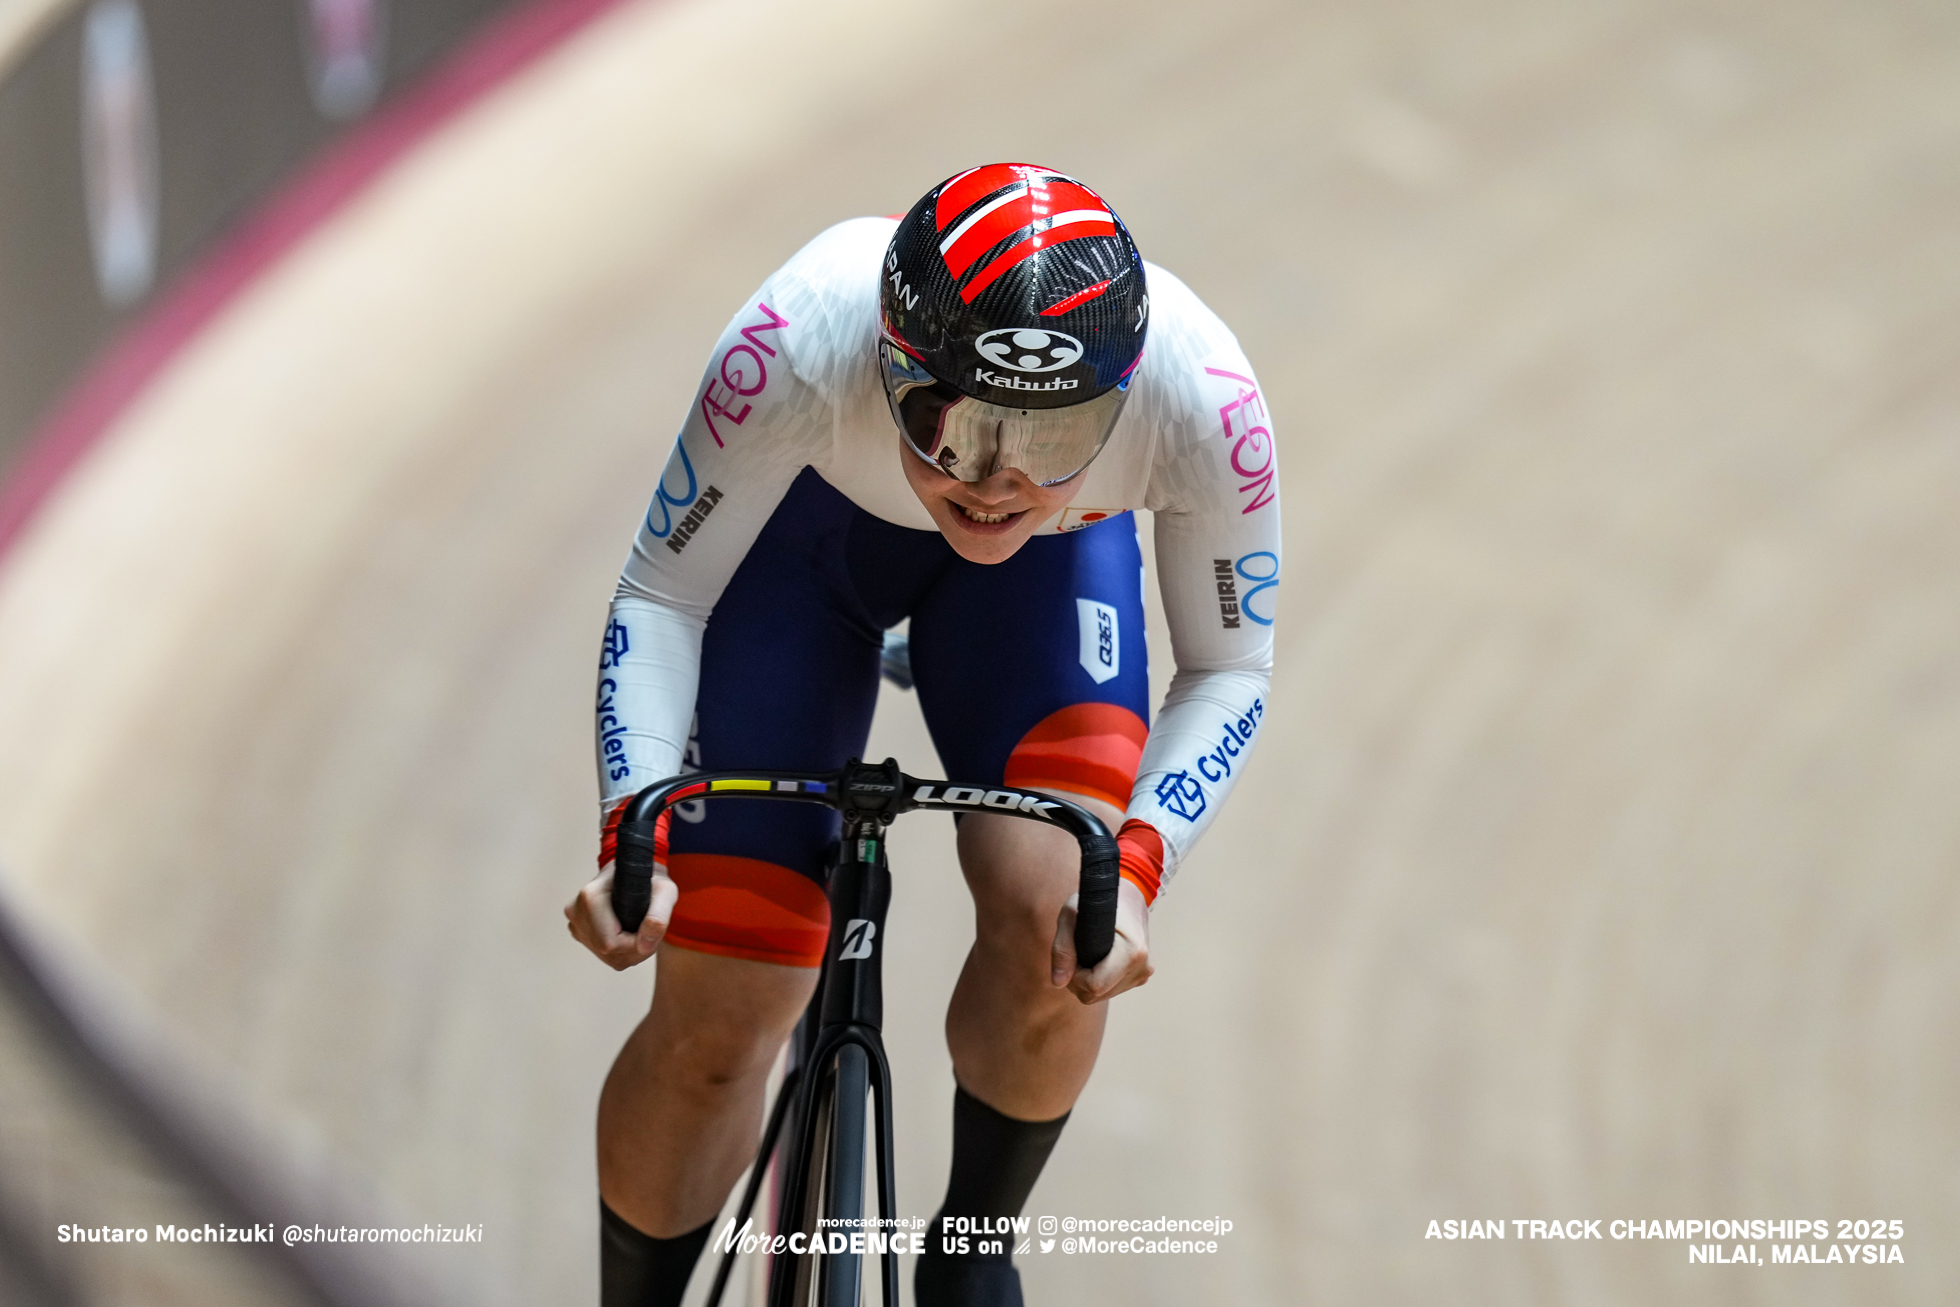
[847,1011]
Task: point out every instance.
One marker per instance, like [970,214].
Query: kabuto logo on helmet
[1002,381]
[1018,281]
[1026,350]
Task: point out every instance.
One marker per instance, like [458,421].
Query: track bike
[837,1056]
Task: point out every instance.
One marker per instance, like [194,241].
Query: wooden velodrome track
[1599,862]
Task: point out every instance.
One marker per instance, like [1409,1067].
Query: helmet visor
[972,439]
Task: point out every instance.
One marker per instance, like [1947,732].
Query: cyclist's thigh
[789,678]
[1033,672]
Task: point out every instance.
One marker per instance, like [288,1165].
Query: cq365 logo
[1026,349]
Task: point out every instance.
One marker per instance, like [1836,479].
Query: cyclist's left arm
[1214,494]
[1215,498]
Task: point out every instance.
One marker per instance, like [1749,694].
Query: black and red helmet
[1015,286]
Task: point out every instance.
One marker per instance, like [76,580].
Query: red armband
[609,834]
[1142,850]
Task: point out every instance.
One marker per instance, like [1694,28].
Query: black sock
[638,1270]
[996,1160]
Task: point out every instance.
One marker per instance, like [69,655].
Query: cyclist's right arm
[747,435]
[755,422]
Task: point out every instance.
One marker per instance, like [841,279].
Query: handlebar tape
[632,891]
[1095,905]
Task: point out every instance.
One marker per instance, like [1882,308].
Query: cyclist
[1002,325]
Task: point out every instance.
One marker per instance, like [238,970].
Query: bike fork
[837,1056]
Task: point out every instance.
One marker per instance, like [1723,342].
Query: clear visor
[972,439]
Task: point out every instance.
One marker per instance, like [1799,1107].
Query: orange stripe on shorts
[1085,748]
[747,908]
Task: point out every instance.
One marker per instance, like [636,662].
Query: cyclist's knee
[706,1062]
[719,1020]
[1021,872]
[722,1059]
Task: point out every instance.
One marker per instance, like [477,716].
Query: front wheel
[833,1191]
[843,1204]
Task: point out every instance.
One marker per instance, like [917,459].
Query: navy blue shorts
[1031,672]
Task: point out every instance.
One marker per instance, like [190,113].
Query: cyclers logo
[1028,350]
[1236,740]
[1182,795]
[612,729]
[616,647]
[1002,381]
[858,934]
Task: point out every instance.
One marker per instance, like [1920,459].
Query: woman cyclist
[1001,324]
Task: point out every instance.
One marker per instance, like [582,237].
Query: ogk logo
[858,934]
[1028,350]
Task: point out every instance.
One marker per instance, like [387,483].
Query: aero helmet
[1012,314]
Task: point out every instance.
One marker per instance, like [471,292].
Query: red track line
[117,375]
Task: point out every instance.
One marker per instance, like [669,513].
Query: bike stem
[860,894]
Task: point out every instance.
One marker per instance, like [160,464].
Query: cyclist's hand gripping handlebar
[1095,901]
[632,892]
[879,793]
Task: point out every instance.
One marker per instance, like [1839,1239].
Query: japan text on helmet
[1013,312]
